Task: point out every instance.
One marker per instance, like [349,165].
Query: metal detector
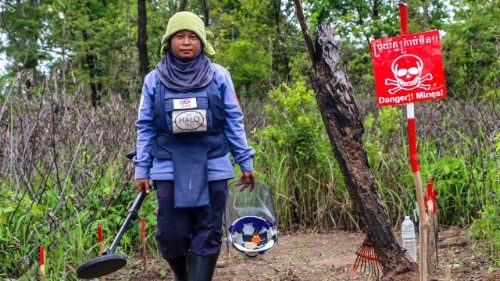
[110,262]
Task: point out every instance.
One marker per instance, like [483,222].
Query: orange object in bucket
[256,239]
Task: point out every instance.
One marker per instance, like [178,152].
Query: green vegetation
[62,158]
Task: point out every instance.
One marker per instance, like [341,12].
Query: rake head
[367,262]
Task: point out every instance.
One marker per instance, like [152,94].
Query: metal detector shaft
[132,214]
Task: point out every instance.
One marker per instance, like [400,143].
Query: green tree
[249,63]
[99,36]
[21,22]
[263,25]
[471,49]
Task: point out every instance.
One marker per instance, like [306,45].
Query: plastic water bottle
[408,234]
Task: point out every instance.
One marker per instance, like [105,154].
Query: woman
[189,122]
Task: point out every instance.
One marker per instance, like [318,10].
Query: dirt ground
[317,257]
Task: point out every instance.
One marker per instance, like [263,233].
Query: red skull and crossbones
[407,70]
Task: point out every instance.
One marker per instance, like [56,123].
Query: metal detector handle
[131,154]
[132,214]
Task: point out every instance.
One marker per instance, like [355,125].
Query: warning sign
[408,68]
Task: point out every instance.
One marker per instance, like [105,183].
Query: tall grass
[63,171]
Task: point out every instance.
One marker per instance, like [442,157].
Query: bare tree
[182,5]
[283,56]
[305,32]
[206,12]
[90,60]
[142,38]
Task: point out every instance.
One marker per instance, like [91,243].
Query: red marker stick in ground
[100,241]
[42,262]
[143,239]
[432,204]
[99,233]
[431,193]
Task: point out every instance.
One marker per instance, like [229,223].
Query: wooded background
[258,41]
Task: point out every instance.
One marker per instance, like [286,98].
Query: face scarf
[185,75]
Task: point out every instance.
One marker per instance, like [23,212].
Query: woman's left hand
[247,179]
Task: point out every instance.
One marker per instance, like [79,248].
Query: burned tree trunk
[340,114]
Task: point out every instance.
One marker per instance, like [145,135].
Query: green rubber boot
[179,267]
[201,268]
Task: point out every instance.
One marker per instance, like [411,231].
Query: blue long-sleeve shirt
[146,166]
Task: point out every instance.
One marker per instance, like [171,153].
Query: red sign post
[408,68]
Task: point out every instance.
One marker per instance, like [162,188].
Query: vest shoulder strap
[159,105]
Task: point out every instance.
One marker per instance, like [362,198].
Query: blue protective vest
[213,140]
[189,150]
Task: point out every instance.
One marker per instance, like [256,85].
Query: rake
[367,262]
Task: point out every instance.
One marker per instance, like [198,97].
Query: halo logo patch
[187,121]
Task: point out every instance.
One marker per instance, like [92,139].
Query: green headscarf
[187,21]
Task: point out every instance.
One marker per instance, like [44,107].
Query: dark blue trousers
[182,230]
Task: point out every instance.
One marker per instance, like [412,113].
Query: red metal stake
[433,226]
[42,263]
[99,233]
[431,193]
[100,241]
[144,250]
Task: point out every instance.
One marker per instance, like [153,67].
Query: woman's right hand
[141,184]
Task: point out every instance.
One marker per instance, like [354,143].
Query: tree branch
[206,12]
[305,32]
[182,6]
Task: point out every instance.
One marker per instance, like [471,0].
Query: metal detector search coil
[101,266]
[110,262]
